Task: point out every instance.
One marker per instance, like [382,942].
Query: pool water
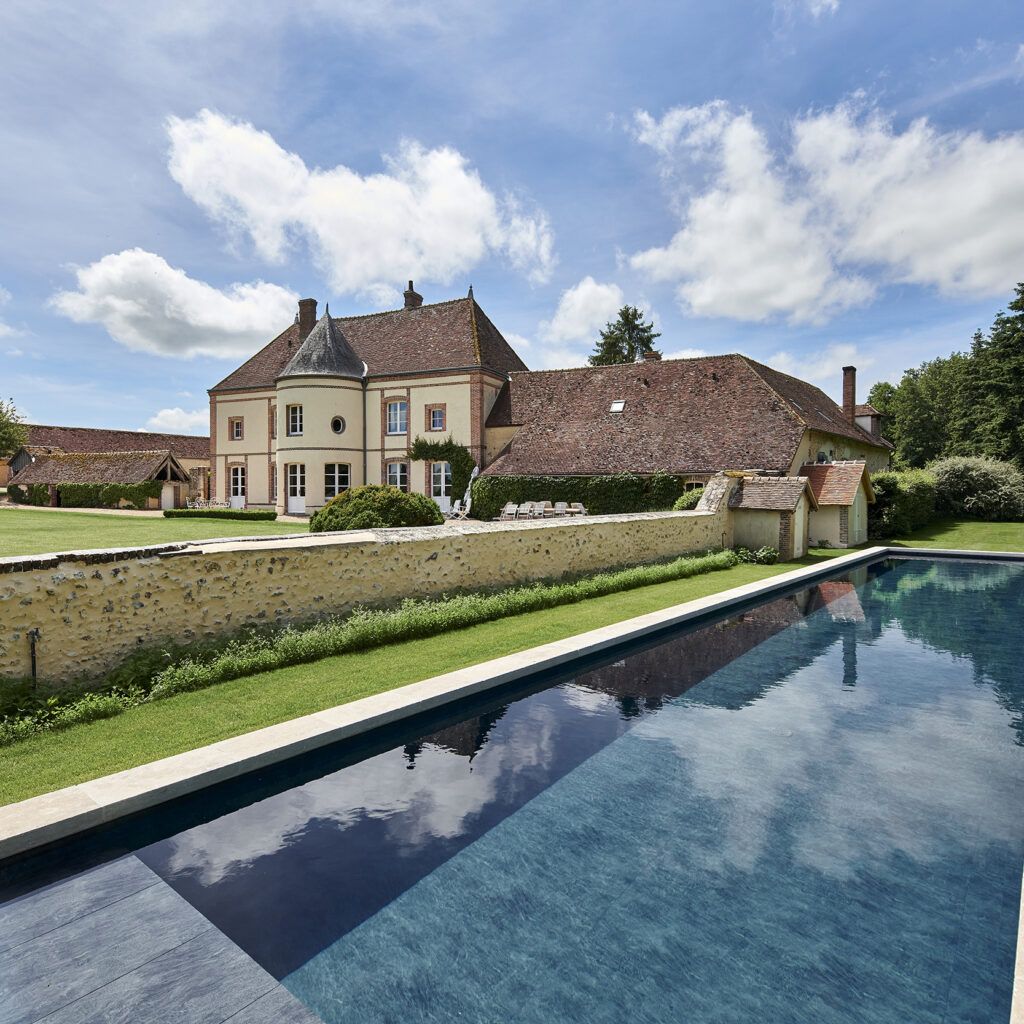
[807,812]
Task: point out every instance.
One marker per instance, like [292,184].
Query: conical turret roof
[325,353]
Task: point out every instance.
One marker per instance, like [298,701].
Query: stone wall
[94,609]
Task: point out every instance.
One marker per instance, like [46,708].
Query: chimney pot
[307,317]
[850,393]
[652,357]
[413,299]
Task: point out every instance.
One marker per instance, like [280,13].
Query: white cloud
[934,208]
[149,306]
[793,233]
[815,8]
[826,366]
[13,352]
[178,421]
[428,216]
[582,311]
[518,341]
[687,353]
[6,331]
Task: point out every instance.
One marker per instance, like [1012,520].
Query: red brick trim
[213,446]
[428,410]
[232,420]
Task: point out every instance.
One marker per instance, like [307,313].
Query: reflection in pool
[806,812]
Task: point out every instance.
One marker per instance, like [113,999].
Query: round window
[338,425]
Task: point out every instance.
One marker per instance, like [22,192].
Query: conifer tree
[625,340]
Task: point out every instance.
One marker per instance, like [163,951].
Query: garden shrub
[31,494]
[80,495]
[147,676]
[255,514]
[137,495]
[762,556]
[600,495]
[375,506]
[978,488]
[449,450]
[904,502]
[688,500]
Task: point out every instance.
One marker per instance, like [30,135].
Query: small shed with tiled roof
[772,511]
[843,492]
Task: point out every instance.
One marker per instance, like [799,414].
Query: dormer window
[618,405]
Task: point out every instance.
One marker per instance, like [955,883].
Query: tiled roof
[770,493]
[97,468]
[325,352]
[865,410]
[93,439]
[680,415]
[441,336]
[836,483]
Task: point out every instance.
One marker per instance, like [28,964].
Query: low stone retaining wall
[93,610]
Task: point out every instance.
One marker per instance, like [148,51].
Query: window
[236,430]
[440,480]
[436,417]
[238,481]
[273,422]
[398,474]
[398,417]
[296,480]
[294,420]
[338,424]
[618,405]
[336,478]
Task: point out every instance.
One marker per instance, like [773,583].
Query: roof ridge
[110,430]
[645,363]
[475,333]
[390,312]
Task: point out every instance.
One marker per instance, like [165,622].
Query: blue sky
[812,182]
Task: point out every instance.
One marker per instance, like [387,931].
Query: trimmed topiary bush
[688,500]
[904,502]
[599,495]
[979,488]
[259,514]
[375,507]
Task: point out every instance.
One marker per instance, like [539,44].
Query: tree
[625,340]
[966,404]
[12,434]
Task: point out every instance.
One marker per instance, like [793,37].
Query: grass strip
[361,630]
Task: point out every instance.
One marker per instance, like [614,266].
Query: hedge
[449,450]
[33,494]
[978,488]
[375,506]
[600,495]
[904,502]
[260,514]
[147,677]
[688,500]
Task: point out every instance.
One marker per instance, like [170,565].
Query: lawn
[54,760]
[967,534]
[28,531]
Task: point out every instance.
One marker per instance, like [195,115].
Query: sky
[811,182]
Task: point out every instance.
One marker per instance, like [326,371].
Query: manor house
[336,402]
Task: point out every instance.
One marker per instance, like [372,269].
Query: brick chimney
[413,299]
[307,317]
[652,357]
[850,393]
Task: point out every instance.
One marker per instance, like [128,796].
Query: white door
[167,496]
[296,489]
[441,484]
[236,497]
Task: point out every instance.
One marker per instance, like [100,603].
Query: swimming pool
[808,811]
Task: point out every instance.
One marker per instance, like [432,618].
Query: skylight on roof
[618,405]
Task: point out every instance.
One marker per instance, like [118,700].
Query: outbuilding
[772,511]
[843,492]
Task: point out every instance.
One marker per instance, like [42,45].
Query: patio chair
[510,511]
[525,510]
[453,512]
[561,508]
[460,510]
[577,509]
[545,509]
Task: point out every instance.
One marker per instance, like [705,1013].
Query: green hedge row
[904,502]
[33,494]
[261,514]
[600,495]
[88,495]
[145,681]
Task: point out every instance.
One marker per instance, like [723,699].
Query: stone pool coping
[63,813]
